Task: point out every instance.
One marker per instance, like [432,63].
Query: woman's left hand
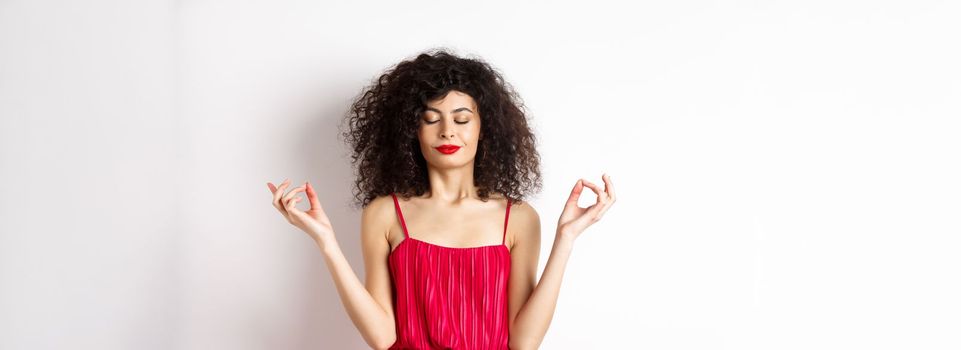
[574,220]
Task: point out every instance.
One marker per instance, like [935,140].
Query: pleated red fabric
[447,297]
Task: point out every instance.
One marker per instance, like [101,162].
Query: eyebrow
[452,112]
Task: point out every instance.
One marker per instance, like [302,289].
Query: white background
[787,172]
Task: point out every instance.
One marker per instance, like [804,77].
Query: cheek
[422,135]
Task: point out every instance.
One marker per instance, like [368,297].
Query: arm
[370,308]
[529,322]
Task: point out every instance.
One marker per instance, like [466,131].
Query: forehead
[453,99]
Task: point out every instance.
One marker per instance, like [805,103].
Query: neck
[452,186]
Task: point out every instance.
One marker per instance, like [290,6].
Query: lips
[447,149]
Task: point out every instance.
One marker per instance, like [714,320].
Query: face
[450,120]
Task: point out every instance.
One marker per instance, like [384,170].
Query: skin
[451,215]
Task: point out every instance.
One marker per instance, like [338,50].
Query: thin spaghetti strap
[400,215]
[506,216]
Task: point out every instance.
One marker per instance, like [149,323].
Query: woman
[450,249]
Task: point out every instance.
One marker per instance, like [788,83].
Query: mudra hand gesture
[313,221]
[574,220]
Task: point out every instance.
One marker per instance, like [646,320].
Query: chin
[451,163]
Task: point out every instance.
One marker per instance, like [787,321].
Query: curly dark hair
[384,119]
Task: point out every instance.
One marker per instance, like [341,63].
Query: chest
[457,229]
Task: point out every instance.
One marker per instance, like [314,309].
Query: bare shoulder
[522,210]
[524,223]
[377,215]
[381,202]
[525,213]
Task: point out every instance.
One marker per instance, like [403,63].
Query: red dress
[450,298]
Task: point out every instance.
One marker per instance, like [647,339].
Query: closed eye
[435,121]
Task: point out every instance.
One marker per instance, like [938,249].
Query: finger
[278,193]
[601,197]
[603,208]
[292,202]
[312,197]
[575,192]
[609,187]
[597,190]
[293,192]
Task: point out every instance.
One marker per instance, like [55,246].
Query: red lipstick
[447,149]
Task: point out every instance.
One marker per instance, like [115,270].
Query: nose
[446,132]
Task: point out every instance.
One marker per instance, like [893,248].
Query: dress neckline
[446,247]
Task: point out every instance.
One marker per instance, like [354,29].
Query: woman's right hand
[313,221]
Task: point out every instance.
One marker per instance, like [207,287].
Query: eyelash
[434,122]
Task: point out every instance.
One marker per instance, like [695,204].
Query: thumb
[575,192]
[574,196]
[312,197]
